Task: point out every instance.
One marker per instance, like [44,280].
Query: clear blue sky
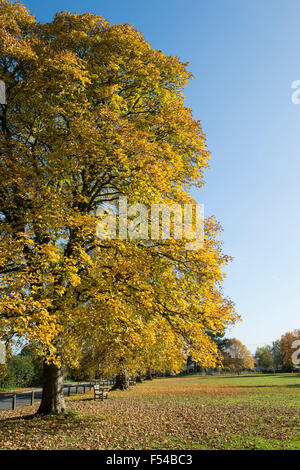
[244,55]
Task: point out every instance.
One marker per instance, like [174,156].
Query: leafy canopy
[93,112]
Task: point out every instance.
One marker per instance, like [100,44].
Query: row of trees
[94,113]
[25,369]
[282,354]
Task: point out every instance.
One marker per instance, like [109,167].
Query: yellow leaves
[60,290]
[236,355]
[74,279]
[50,253]
[107,117]
[25,238]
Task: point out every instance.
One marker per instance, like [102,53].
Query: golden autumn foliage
[236,356]
[93,112]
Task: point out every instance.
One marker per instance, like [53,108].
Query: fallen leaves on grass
[152,416]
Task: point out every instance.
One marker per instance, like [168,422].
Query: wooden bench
[100,392]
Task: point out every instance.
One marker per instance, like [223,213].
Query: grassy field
[232,412]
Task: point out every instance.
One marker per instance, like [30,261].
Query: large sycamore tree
[93,112]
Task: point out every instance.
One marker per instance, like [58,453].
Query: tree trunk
[139,378]
[122,382]
[148,374]
[53,400]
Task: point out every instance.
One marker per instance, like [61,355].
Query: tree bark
[122,382]
[53,400]
[148,374]
[139,378]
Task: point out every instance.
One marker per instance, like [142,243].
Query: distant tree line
[233,356]
[280,355]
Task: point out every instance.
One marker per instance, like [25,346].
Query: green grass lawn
[195,412]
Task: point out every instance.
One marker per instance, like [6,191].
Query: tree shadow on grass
[43,423]
[90,400]
[19,418]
